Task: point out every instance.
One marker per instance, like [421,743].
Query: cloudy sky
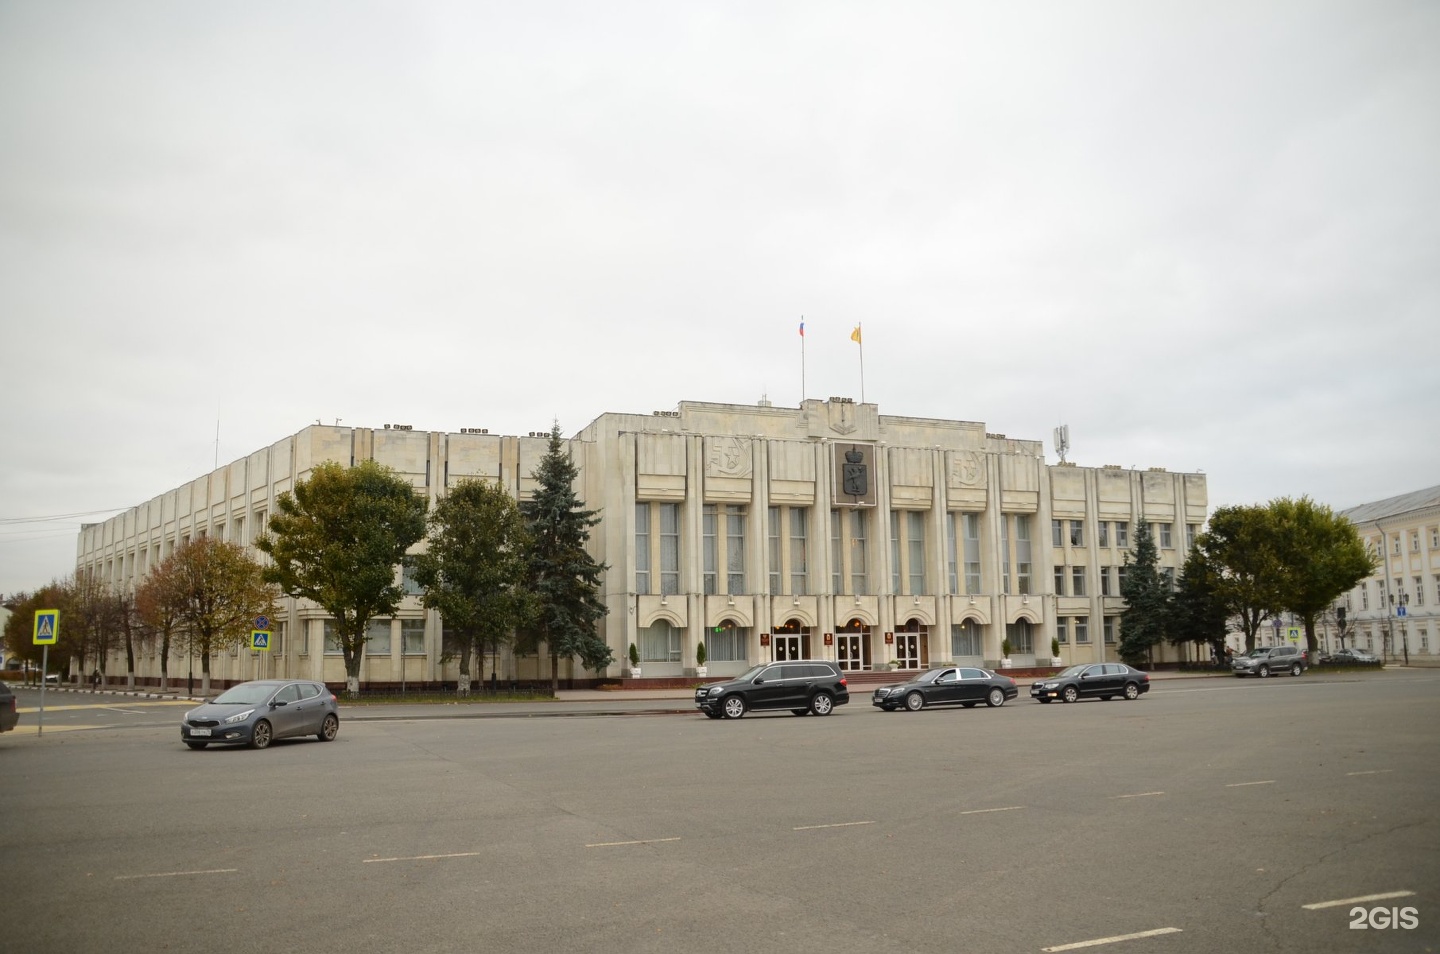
[1206,235]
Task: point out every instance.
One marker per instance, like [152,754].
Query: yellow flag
[855,335]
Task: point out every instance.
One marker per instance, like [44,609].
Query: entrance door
[907,650]
[786,647]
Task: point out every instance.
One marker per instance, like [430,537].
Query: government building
[1394,611]
[825,531]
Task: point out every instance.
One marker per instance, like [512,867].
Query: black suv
[800,685]
[1264,661]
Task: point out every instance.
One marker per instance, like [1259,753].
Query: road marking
[1371,772]
[458,854]
[982,811]
[836,825]
[1111,940]
[1362,900]
[643,841]
[176,874]
[1268,781]
[1138,795]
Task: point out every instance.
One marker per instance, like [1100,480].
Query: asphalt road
[1209,815]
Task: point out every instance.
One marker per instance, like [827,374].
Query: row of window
[1401,596]
[1071,533]
[1377,544]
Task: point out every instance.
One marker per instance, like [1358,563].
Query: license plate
[199,731]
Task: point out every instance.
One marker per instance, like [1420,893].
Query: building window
[1105,589]
[965,640]
[1004,553]
[642,548]
[408,584]
[895,517]
[971,525]
[1077,533]
[735,549]
[858,580]
[952,570]
[915,546]
[1168,574]
[837,570]
[1059,581]
[1021,636]
[1109,630]
[1419,591]
[1192,530]
[412,637]
[799,551]
[1022,552]
[727,642]
[1103,532]
[332,639]
[1057,533]
[1122,534]
[1082,630]
[660,642]
[377,637]
[1120,579]
[1364,596]
[1077,581]
[1062,629]
[1397,544]
[669,549]
[772,537]
[710,547]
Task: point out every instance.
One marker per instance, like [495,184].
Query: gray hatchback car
[256,713]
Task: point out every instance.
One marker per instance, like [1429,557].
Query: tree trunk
[462,682]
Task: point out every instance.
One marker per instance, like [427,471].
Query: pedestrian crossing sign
[47,627]
[260,639]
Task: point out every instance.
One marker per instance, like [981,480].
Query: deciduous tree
[221,591]
[473,570]
[1321,556]
[337,540]
[1240,544]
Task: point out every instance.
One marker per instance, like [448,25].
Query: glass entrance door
[847,650]
[787,647]
[907,650]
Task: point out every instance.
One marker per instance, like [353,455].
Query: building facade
[824,531]
[1394,611]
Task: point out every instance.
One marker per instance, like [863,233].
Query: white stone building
[1395,609]
[828,530]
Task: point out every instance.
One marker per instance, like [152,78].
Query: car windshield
[1073,671]
[930,675]
[750,673]
[246,694]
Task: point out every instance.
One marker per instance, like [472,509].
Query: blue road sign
[262,622]
[47,627]
[1400,611]
[260,639]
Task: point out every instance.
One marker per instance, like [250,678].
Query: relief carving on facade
[967,469]
[727,457]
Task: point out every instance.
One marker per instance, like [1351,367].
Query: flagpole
[859,339]
[802,359]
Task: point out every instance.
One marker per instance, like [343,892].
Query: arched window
[660,642]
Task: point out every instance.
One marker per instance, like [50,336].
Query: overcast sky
[1203,234]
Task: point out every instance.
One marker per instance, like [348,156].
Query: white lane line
[982,811]
[836,825]
[1371,772]
[1268,781]
[1138,795]
[176,874]
[1111,940]
[458,854]
[1362,900]
[643,841]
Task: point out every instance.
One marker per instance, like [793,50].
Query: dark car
[1353,657]
[1105,680]
[1264,660]
[256,713]
[9,712]
[958,685]
[800,685]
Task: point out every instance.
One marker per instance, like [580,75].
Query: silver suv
[1263,662]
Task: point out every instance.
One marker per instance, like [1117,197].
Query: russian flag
[802,327]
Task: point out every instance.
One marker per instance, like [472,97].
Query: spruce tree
[563,578]
[1142,624]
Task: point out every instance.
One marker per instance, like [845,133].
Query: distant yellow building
[1394,611]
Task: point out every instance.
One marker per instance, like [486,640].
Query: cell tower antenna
[1062,441]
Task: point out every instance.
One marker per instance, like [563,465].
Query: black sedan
[957,685]
[1105,680]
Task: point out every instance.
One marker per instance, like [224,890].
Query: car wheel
[995,699]
[1264,672]
[1295,670]
[1070,694]
[822,704]
[197,745]
[328,729]
[799,711]
[733,707]
[1132,691]
[915,702]
[262,735]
